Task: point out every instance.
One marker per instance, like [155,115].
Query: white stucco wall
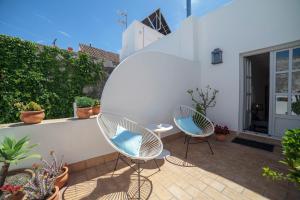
[136,37]
[239,27]
[147,87]
[76,139]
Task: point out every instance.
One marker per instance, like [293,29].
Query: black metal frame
[138,170]
[187,140]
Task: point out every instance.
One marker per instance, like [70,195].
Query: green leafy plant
[31,106]
[206,98]
[291,152]
[296,105]
[96,102]
[41,186]
[13,151]
[84,102]
[49,76]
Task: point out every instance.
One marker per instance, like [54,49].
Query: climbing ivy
[50,76]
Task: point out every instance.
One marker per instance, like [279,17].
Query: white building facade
[241,29]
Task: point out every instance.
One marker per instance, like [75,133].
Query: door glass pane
[282,61]
[281,105]
[296,58]
[282,83]
[296,82]
[295,105]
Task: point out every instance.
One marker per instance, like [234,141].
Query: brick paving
[232,173]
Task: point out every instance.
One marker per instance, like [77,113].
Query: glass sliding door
[286,91]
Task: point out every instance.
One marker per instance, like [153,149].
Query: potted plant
[221,132]
[56,169]
[31,113]
[13,151]
[296,105]
[206,98]
[84,107]
[12,192]
[291,152]
[41,186]
[96,107]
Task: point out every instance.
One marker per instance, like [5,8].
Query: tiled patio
[233,172]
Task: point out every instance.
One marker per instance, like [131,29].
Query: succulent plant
[41,186]
[54,167]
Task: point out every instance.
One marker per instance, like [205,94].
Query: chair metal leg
[139,180]
[156,164]
[185,137]
[187,146]
[117,162]
[212,152]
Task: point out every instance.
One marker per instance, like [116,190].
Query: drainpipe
[188,8]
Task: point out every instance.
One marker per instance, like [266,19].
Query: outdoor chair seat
[193,124]
[129,139]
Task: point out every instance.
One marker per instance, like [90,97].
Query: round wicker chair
[205,126]
[151,145]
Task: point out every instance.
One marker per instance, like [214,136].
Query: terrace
[158,69]
[234,172]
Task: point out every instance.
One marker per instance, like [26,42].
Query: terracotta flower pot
[32,117]
[17,196]
[220,137]
[84,113]
[62,179]
[55,195]
[96,110]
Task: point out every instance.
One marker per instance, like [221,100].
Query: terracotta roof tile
[99,53]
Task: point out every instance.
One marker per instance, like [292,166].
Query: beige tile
[233,172]
[215,194]
[178,192]
[233,194]
[217,185]
[253,195]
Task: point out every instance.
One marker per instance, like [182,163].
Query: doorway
[257,87]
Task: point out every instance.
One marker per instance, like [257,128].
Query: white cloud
[64,34]
[44,18]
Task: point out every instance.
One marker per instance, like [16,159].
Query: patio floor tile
[232,173]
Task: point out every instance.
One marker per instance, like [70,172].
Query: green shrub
[31,106]
[49,76]
[84,102]
[291,152]
[96,102]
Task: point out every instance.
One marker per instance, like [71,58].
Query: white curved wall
[147,86]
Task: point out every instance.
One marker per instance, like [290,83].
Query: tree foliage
[50,76]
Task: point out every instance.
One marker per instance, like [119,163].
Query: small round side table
[160,129]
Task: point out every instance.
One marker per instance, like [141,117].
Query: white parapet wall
[148,86]
[75,139]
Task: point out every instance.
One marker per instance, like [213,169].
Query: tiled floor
[233,172]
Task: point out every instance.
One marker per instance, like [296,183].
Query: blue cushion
[187,123]
[127,141]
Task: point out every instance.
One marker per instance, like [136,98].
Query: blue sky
[87,21]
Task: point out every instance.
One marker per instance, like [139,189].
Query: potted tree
[56,169]
[13,151]
[206,98]
[84,107]
[41,186]
[221,132]
[31,113]
[96,107]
